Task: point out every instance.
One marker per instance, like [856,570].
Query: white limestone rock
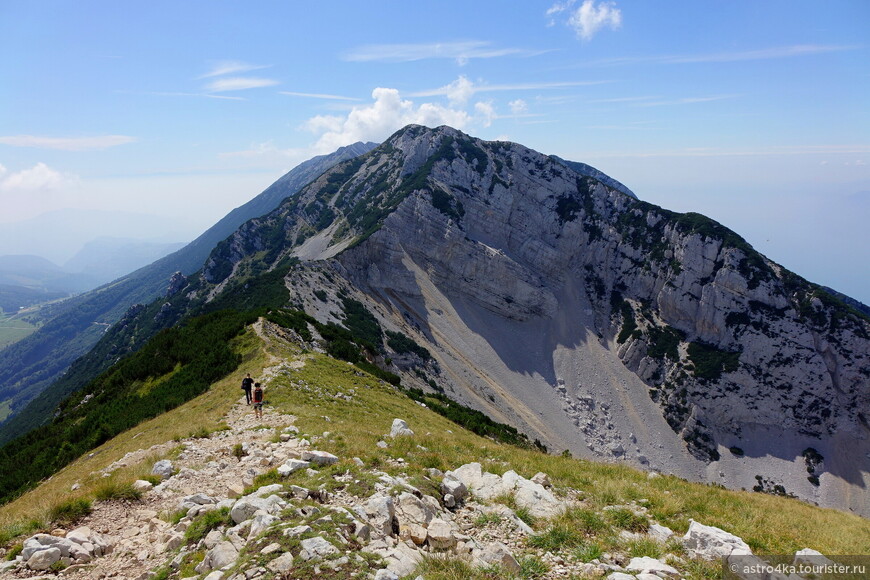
[710,543]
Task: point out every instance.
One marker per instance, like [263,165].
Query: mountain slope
[593,321]
[28,367]
[337,409]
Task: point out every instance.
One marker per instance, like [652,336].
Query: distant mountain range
[71,328]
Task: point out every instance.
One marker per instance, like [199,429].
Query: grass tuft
[70,511]
[114,491]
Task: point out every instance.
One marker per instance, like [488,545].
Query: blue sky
[752,112]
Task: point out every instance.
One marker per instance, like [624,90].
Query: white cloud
[318,96]
[226,67]
[239,84]
[486,112]
[459,91]
[464,87]
[518,106]
[770,53]
[40,177]
[589,18]
[67,143]
[375,122]
[461,51]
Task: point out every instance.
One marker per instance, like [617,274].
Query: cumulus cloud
[375,122]
[40,177]
[589,18]
[238,84]
[67,143]
[459,91]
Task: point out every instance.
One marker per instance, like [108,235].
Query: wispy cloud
[589,18]
[318,96]
[730,56]
[239,84]
[228,67]
[468,88]
[206,95]
[462,51]
[67,143]
[773,150]
[684,101]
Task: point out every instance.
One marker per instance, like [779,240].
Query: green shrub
[205,523]
[14,551]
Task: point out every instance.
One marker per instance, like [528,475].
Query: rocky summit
[548,296]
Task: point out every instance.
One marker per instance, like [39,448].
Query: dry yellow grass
[768,523]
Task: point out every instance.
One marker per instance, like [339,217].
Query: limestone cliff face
[596,322]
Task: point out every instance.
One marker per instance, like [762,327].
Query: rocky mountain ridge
[593,321]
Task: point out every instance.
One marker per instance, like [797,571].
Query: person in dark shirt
[258,400]
[247,383]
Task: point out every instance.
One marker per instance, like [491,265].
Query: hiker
[247,383]
[258,401]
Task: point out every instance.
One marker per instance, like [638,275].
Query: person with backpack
[247,383]
[258,400]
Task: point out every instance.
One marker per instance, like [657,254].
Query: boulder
[319,457]
[451,485]
[660,533]
[385,574]
[400,429]
[163,469]
[223,554]
[142,486]
[542,479]
[292,466]
[379,512]
[246,507]
[281,564]
[43,559]
[440,535]
[811,557]
[497,554]
[710,543]
[261,523]
[316,547]
[649,565]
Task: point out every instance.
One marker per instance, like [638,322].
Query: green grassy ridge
[179,364]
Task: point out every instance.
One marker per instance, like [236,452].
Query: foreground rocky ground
[258,500]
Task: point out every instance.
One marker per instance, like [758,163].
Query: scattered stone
[316,547]
[319,457]
[440,535]
[649,565]
[142,486]
[400,429]
[541,479]
[44,559]
[497,554]
[281,564]
[711,543]
[660,533]
[292,466]
[163,469]
[812,558]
